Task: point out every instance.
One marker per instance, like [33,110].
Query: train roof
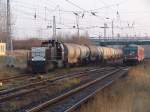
[132,45]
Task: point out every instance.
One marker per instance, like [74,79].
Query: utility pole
[54,28]
[9,40]
[9,45]
[45,13]
[105,26]
[112,29]
[99,38]
[105,29]
[77,19]
[77,23]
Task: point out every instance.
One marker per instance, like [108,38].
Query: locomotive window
[130,51]
[38,54]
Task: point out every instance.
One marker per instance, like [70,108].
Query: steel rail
[14,77]
[75,106]
[36,83]
[11,95]
[65,95]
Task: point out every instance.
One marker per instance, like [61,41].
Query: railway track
[18,77]
[70,100]
[14,78]
[26,89]
[28,85]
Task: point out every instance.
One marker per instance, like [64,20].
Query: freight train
[54,54]
[133,54]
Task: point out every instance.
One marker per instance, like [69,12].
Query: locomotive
[54,54]
[133,54]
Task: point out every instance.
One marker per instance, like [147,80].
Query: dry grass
[37,95]
[131,94]
[20,61]
[69,83]
[20,57]
[2,58]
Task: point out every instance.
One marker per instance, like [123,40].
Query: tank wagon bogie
[53,54]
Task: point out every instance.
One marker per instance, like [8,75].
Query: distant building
[2,49]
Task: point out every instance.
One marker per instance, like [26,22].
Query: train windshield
[130,51]
[38,53]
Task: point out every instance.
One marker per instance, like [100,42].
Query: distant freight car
[133,54]
[2,49]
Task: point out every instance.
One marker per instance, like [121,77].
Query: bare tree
[84,39]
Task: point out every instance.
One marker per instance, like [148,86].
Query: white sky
[135,12]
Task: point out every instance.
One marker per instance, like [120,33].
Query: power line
[101,1]
[81,13]
[75,5]
[108,6]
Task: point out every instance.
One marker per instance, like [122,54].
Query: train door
[59,54]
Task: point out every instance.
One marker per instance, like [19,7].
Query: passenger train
[54,54]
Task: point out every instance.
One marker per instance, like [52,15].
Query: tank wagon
[133,54]
[2,49]
[54,54]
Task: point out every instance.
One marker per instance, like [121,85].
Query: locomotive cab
[37,59]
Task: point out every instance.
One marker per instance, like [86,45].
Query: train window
[130,51]
[40,54]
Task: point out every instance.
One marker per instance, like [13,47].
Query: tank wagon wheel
[85,62]
[76,64]
[80,62]
[67,65]
[105,61]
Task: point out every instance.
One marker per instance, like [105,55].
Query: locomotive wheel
[49,67]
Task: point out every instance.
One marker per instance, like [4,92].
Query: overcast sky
[133,17]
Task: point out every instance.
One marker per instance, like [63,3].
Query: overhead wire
[82,10]
[101,1]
